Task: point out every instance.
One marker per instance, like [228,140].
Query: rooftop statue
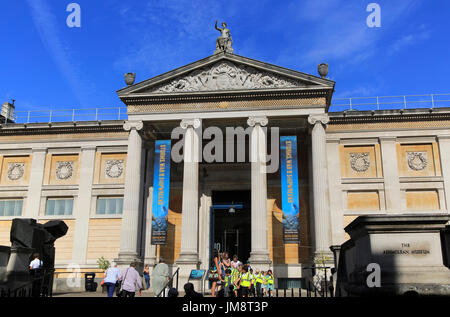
[224,41]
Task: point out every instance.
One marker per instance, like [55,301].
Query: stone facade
[350,164]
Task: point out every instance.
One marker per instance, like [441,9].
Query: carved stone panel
[227,76]
[15,171]
[360,162]
[417,161]
[114,168]
[64,170]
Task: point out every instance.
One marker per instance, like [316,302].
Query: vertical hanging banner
[289,189]
[161,187]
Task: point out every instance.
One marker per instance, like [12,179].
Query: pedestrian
[189,291]
[259,283]
[160,277]
[146,273]
[111,277]
[35,271]
[269,283]
[130,278]
[36,264]
[245,282]
[226,260]
[228,284]
[253,279]
[214,274]
[235,263]
[240,271]
[172,292]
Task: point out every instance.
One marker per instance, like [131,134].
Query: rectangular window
[59,207]
[11,207]
[109,206]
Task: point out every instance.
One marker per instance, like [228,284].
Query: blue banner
[161,187]
[289,189]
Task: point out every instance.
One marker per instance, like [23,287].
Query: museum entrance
[230,223]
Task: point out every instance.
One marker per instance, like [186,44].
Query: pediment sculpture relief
[227,76]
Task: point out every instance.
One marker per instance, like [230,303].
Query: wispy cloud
[422,34]
[336,31]
[187,28]
[47,26]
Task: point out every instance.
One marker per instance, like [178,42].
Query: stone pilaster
[83,211]
[259,254]
[390,173]
[130,217]
[320,187]
[36,178]
[444,153]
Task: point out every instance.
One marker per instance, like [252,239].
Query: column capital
[443,137]
[137,125]
[88,148]
[39,150]
[261,120]
[318,118]
[190,123]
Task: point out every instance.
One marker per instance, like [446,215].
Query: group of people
[126,282]
[234,279]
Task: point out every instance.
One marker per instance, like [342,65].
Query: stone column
[36,178]
[259,254]
[83,211]
[444,151]
[189,229]
[130,217]
[320,187]
[390,173]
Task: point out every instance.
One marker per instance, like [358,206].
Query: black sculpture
[29,237]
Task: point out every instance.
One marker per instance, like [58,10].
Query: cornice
[62,127]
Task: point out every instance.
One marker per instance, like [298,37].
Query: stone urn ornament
[129,78]
[323,69]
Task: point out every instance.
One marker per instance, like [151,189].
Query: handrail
[168,283]
[391,102]
[46,273]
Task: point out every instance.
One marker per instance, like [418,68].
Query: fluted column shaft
[320,183]
[189,229]
[259,246]
[130,216]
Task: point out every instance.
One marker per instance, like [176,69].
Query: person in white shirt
[235,263]
[111,277]
[36,263]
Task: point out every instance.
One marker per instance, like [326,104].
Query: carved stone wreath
[417,161]
[360,162]
[64,170]
[227,76]
[15,171]
[114,168]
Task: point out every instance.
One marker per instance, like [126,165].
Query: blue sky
[47,65]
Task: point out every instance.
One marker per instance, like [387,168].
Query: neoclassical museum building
[126,195]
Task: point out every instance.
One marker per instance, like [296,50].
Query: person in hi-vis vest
[246,282]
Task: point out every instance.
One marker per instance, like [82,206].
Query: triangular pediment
[225,73]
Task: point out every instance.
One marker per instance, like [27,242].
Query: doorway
[231,231]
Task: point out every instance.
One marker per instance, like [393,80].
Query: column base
[323,258]
[187,262]
[260,260]
[126,258]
